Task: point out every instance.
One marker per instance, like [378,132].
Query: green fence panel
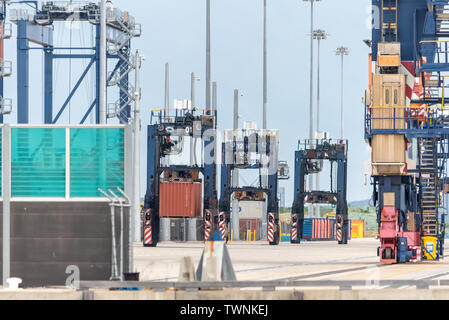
[96,161]
[38,162]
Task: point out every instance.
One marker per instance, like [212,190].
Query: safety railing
[304,144]
[433,61]
[399,119]
[169,115]
[440,48]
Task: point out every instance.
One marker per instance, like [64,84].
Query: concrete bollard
[164,227]
[212,271]
[186,270]
[192,229]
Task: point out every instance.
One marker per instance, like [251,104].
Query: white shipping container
[251,209]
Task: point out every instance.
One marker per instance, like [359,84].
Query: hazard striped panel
[414,90]
[207,225]
[408,68]
[148,233]
[222,225]
[271,227]
[417,258]
[339,231]
[294,230]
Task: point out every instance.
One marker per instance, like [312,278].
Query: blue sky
[174,32]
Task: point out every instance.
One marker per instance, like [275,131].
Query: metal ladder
[429,185]
[442,17]
[389,12]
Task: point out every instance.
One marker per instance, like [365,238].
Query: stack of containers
[321,229]
[180,210]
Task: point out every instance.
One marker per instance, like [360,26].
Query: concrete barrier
[378,294]
[228,294]
[41,294]
[133,295]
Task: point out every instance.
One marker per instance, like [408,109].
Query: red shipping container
[326,228]
[332,229]
[246,225]
[322,229]
[180,200]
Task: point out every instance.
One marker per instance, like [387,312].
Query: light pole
[318,35]
[342,51]
[208,58]
[311,85]
[167,90]
[103,64]
[193,79]
[235,174]
[265,85]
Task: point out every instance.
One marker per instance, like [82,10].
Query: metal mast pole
[235,175]
[137,124]
[311,76]
[6,194]
[167,89]
[311,90]
[103,64]
[214,96]
[208,63]
[318,90]
[166,160]
[343,52]
[192,104]
[342,102]
[265,85]
[192,90]
[317,182]
[318,35]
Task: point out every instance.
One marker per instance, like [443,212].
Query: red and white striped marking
[148,234]
[339,232]
[413,90]
[418,254]
[207,229]
[270,227]
[222,225]
[408,69]
[295,231]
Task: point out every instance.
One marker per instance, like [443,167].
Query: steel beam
[92,106]
[124,84]
[6,195]
[48,86]
[72,93]
[97,73]
[23,67]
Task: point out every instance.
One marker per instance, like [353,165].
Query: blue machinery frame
[268,147]
[39,30]
[307,158]
[423,37]
[160,140]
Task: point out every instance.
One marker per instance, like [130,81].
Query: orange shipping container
[358,229]
[180,200]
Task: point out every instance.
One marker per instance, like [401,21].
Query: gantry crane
[407,126]
[309,160]
[165,138]
[252,149]
[37,24]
